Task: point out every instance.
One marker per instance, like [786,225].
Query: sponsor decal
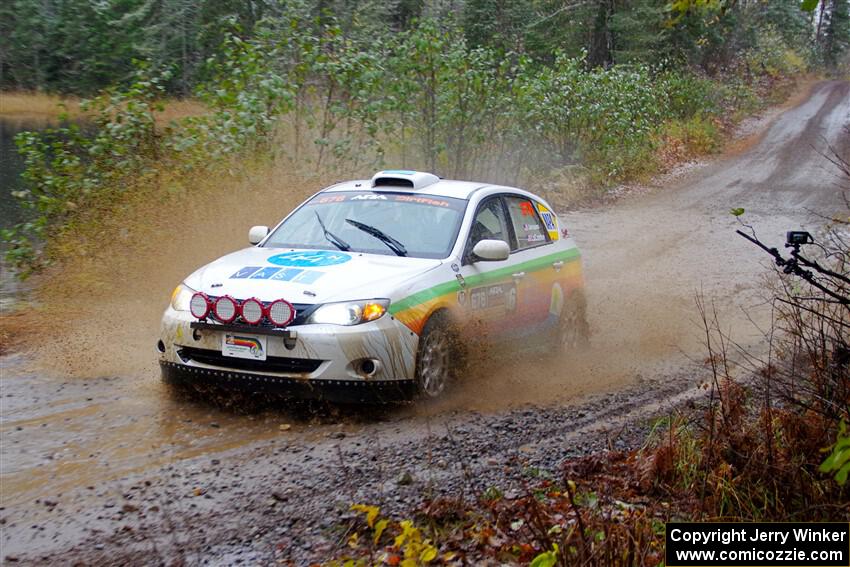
[442,202]
[550,220]
[556,301]
[242,346]
[535,237]
[307,277]
[295,275]
[422,200]
[245,272]
[286,274]
[247,343]
[309,259]
[493,296]
[526,208]
[325,199]
[265,273]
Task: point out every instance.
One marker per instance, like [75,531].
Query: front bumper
[323,361]
[336,391]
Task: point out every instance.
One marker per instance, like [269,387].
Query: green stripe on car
[453,286]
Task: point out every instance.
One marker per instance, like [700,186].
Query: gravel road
[118,469]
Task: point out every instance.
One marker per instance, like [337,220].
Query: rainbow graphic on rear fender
[534,299]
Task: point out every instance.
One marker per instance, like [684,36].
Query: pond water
[11,165]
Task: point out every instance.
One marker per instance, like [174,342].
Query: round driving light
[199,305]
[225,309]
[281,312]
[251,311]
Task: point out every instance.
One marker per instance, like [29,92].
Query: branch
[792,267]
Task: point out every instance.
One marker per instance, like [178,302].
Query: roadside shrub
[602,119]
[69,172]
[771,56]
[687,95]
[245,95]
[452,101]
[684,139]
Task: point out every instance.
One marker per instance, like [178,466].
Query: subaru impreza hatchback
[368,290]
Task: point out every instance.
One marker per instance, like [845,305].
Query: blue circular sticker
[309,259]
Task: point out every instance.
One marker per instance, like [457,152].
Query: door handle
[558,265]
[518,275]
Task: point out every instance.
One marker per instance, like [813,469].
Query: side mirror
[491,250]
[257,233]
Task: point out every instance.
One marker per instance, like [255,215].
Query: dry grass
[32,107]
[37,106]
[177,109]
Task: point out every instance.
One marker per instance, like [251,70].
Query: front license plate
[244,346]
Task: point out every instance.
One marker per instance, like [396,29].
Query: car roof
[413,182]
[443,188]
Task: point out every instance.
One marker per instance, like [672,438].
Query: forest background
[567,97]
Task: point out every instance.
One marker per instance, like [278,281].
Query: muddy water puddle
[63,435]
[67,434]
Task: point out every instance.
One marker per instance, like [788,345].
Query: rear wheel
[573,331]
[438,358]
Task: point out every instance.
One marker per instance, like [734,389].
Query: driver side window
[489,224]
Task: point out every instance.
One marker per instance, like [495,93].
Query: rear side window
[528,227]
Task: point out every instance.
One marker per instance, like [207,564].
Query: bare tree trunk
[600,53]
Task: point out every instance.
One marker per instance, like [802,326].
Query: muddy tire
[572,332]
[438,358]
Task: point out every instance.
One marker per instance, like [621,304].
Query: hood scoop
[404,179]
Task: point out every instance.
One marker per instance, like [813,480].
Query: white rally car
[361,293]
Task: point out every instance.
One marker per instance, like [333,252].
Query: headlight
[180,297]
[350,312]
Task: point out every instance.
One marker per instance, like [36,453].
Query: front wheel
[438,358]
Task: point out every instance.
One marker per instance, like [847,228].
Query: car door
[488,291]
[531,254]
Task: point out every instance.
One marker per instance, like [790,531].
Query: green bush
[68,170]
[771,56]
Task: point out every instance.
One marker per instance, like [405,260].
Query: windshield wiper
[331,237]
[391,242]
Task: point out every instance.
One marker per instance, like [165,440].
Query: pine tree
[500,24]
[640,32]
[836,31]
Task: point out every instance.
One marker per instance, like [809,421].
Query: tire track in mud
[211,484]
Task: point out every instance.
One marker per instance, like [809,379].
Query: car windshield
[403,224]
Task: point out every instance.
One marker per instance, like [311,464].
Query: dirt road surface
[117,469]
